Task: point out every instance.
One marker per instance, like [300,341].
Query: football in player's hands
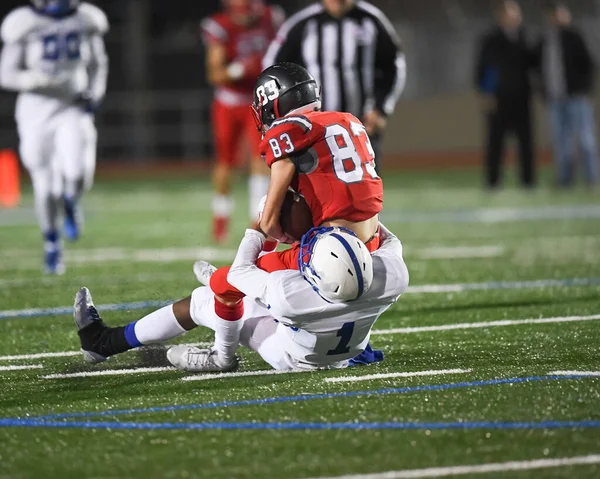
[295,217]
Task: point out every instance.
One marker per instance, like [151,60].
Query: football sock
[258,185]
[47,208]
[51,241]
[222,206]
[228,325]
[158,326]
[73,190]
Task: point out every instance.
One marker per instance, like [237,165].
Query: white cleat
[203,271]
[195,360]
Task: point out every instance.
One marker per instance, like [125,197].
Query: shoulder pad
[213,29]
[294,120]
[94,19]
[18,24]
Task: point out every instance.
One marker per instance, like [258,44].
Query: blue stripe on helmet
[359,274]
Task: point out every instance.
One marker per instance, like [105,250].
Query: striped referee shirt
[357,60]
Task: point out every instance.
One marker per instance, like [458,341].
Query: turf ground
[479,386]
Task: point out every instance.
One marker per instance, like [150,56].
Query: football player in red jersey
[325,156]
[236,41]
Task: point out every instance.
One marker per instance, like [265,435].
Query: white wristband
[235,70]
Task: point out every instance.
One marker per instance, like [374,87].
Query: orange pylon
[10,184]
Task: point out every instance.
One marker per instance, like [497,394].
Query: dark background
[157,105]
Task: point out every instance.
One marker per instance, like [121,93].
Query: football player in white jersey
[54,55]
[317,317]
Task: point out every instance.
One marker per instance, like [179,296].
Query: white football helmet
[336,263]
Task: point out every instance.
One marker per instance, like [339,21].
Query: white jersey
[58,58]
[315,331]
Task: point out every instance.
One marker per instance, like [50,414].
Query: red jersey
[245,44]
[335,164]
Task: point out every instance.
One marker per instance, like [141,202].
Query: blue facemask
[56,8]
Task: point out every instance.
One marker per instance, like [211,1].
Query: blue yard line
[308,397]
[492,285]
[302,425]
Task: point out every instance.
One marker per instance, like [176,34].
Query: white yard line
[109,372]
[370,377]
[478,468]
[21,367]
[492,286]
[459,252]
[101,255]
[266,372]
[60,354]
[486,324]
[66,354]
[575,373]
[104,279]
[496,215]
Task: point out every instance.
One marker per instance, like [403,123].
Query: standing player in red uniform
[236,41]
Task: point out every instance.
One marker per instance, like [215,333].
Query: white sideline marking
[462,287]
[478,468]
[458,252]
[496,215]
[267,372]
[486,324]
[349,379]
[21,367]
[112,278]
[575,373]
[109,372]
[158,255]
[66,354]
[60,354]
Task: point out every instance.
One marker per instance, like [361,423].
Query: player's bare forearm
[282,174]
[221,72]
[216,65]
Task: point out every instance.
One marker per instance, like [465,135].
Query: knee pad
[221,287]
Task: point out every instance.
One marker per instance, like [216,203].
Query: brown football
[295,217]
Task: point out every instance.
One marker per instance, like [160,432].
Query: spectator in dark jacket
[503,79]
[567,72]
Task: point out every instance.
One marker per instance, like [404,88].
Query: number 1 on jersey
[345,335]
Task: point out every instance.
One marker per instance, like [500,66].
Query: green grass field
[487,393]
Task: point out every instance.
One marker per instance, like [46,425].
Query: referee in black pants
[354,52]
